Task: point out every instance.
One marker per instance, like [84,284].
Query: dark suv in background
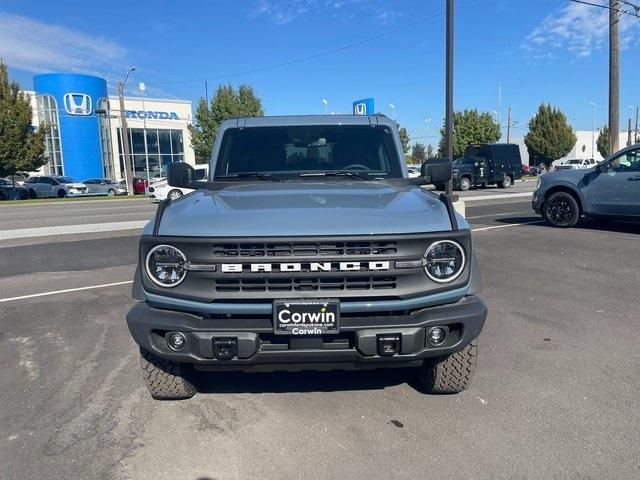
[487,164]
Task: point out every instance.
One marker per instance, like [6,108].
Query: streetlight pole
[125,134]
[325,102]
[593,132]
[393,111]
[142,88]
[449,89]
[428,122]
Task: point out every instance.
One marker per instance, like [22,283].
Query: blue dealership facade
[83,134]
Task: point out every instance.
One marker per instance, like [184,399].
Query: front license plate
[306,317]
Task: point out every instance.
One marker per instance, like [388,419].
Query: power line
[316,55]
[634,13]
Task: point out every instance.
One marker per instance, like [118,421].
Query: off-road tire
[166,380]
[452,373]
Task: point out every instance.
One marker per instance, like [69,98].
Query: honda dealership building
[83,128]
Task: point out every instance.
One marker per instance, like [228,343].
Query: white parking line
[68,290]
[496,196]
[71,229]
[496,214]
[482,229]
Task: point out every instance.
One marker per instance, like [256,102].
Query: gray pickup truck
[307,248]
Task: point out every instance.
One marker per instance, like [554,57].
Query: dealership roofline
[154,99]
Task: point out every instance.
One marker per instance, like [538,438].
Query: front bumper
[354,347]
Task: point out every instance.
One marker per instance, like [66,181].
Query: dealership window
[163,147]
[105,140]
[48,118]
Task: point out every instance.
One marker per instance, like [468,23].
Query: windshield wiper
[267,177]
[339,173]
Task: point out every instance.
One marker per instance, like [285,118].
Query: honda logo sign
[78,104]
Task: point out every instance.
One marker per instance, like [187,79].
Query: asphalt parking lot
[556,394]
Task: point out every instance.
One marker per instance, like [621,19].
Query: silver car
[104,186]
[54,186]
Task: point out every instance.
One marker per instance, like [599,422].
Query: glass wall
[105,140]
[163,147]
[48,118]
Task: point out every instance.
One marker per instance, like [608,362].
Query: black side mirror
[180,175]
[436,170]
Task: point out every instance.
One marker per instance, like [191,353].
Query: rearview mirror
[180,175]
[436,170]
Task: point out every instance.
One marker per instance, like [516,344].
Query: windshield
[291,150]
[464,161]
[65,180]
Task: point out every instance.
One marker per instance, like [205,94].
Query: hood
[306,208]
[571,175]
[75,185]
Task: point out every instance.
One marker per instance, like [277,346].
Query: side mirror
[436,170]
[180,175]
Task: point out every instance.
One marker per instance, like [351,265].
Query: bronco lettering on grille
[304,267]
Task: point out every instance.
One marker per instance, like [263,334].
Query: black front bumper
[356,346]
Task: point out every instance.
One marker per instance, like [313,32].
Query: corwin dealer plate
[306,317]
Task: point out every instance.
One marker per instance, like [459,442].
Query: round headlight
[165,265]
[444,261]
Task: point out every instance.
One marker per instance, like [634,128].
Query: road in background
[556,394]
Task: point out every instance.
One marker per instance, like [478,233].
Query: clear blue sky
[544,50]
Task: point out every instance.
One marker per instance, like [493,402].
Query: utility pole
[614,75]
[449,90]
[635,135]
[128,173]
[142,88]
[509,126]
[629,134]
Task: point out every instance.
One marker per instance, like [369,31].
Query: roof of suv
[293,120]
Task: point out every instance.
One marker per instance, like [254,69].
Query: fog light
[176,341]
[437,336]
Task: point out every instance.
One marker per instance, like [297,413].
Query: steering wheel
[356,166]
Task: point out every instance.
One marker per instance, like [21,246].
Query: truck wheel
[465,184]
[561,210]
[452,373]
[165,380]
[506,182]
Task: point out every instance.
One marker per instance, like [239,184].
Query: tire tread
[453,373]
[165,380]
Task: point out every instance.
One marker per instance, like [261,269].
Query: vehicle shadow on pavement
[301,382]
[583,224]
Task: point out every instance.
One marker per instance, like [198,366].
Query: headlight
[444,261]
[165,265]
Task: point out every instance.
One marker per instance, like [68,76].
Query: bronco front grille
[306,284]
[305,249]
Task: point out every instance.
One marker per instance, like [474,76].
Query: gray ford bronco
[307,248]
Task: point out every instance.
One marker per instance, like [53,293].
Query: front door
[616,189]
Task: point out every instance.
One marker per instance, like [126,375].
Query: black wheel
[32,193]
[174,194]
[62,193]
[561,210]
[465,184]
[111,192]
[2,195]
[452,373]
[166,380]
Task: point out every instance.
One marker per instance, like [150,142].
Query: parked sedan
[611,189]
[104,186]
[10,192]
[54,186]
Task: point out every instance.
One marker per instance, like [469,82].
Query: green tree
[21,148]
[602,143]
[469,127]
[404,139]
[418,153]
[226,103]
[550,136]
